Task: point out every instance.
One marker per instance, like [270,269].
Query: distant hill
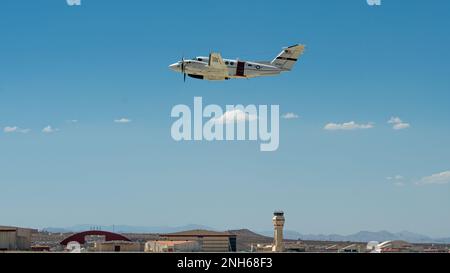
[364,236]
[247,237]
[250,235]
[125,228]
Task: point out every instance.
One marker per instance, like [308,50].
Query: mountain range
[364,236]
[125,228]
[361,236]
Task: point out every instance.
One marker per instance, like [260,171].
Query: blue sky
[106,60]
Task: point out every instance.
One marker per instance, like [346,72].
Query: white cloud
[401,126]
[398,124]
[9,129]
[72,121]
[347,126]
[438,178]
[49,130]
[236,115]
[73,2]
[15,129]
[397,177]
[394,120]
[122,120]
[290,116]
[398,180]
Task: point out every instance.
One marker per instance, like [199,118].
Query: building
[172,246]
[395,246]
[295,247]
[331,248]
[40,248]
[278,225]
[118,246]
[93,235]
[261,248]
[15,238]
[278,244]
[353,248]
[209,241]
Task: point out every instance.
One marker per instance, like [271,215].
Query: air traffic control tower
[278,224]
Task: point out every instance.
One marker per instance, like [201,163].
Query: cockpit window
[200,59]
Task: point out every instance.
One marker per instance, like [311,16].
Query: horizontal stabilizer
[288,57]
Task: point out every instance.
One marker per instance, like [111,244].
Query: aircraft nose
[175,66]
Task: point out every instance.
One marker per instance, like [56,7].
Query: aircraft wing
[216,62]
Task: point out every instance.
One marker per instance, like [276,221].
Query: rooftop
[11,228]
[199,233]
[172,243]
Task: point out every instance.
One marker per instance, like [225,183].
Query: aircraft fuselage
[216,68]
[198,68]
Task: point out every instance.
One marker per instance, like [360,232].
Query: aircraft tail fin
[288,57]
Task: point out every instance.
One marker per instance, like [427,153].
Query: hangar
[15,238]
[81,237]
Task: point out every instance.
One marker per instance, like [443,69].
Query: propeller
[183,69]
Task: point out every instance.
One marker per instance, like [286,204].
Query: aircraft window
[250,65]
[227,63]
[232,63]
[200,59]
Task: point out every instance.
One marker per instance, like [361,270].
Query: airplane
[214,68]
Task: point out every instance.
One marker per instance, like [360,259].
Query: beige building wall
[15,238]
[8,240]
[172,246]
[207,244]
[209,241]
[118,246]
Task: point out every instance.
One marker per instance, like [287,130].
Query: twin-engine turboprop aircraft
[216,69]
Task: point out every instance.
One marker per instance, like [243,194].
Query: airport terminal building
[209,241]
